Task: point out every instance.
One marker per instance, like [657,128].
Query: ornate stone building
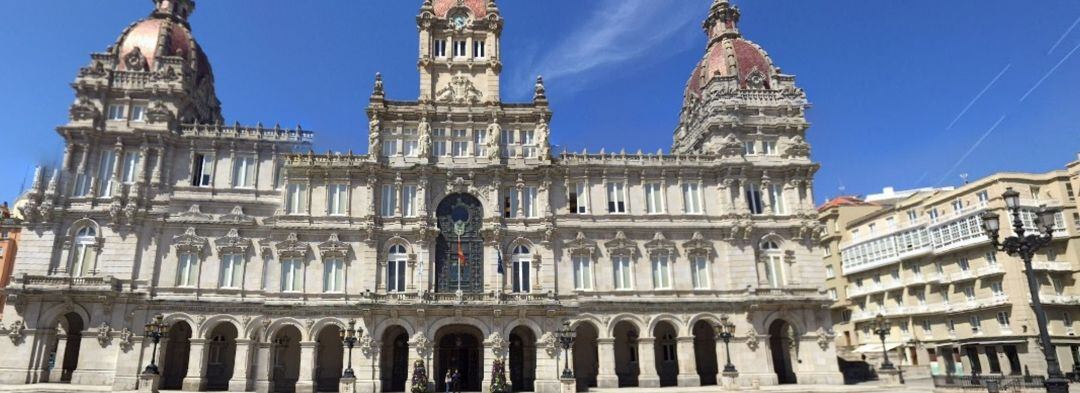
[460,238]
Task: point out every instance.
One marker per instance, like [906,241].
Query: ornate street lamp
[1025,245]
[155,330]
[349,336]
[566,337]
[726,330]
[881,327]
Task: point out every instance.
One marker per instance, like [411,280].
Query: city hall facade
[459,239]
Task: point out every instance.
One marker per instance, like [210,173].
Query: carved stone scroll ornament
[824,338]
[135,61]
[421,344]
[84,109]
[660,244]
[233,243]
[497,343]
[581,245]
[189,242]
[237,216]
[752,339]
[126,336]
[460,91]
[368,346]
[292,247]
[547,342]
[697,245]
[334,247]
[104,334]
[16,332]
[621,245]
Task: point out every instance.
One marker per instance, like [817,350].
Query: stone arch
[176,350]
[82,222]
[207,327]
[459,345]
[675,322]
[665,334]
[380,328]
[788,317]
[220,353]
[170,319]
[711,319]
[525,322]
[783,346]
[433,329]
[398,240]
[585,355]
[588,319]
[630,318]
[520,241]
[521,357]
[393,338]
[773,237]
[252,329]
[56,313]
[626,334]
[285,356]
[706,359]
[280,323]
[330,353]
[318,326]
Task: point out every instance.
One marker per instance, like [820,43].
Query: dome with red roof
[164,34]
[478,8]
[729,54]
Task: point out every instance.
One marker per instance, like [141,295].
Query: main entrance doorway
[459,348]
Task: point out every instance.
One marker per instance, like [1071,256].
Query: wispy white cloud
[620,33]
[1063,35]
[978,96]
[1048,73]
[971,150]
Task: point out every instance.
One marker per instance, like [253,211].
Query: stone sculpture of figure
[4,211]
[494,132]
[374,127]
[424,129]
[543,133]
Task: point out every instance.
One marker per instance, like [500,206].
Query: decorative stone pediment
[84,109]
[697,245]
[237,216]
[194,214]
[292,247]
[660,244]
[460,91]
[621,245]
[334,247]
[797,148]
[581,245]
[232,243]
[189,242]
[159,113]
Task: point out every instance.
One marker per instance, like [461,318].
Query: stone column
[262,367]
[308,353]
[194,381]
[241,365]
[549,358]
[605,351]
[492,350]
[648,378]
[688,375]
[57,370]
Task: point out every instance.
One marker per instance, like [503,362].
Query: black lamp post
[155,329]
[566,337]
[881,327]
[349,336]
[726,330]
[1025,245]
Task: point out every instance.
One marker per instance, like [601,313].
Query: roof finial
[541,91]
[378,89]
[176,9]
[723,20]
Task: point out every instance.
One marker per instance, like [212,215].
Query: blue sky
[905,93]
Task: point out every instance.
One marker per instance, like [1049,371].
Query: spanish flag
[460,253]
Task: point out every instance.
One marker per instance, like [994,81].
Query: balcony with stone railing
[961,276]
[1061,300]
[1052,266]
[26,282]
[990,270]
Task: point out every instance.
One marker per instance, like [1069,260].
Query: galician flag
[460,252]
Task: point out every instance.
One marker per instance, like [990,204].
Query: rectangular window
[991,258]
[408,200]
[116,112]
[440,48]
[926,328]
[244,171]
[459,146]
[82,185]
[692,198]
[138,112]
[933,215]
[105,173]
[777,198]
[1003,320]
[890,223]
[661,271]
[964,264]
[830,272]
[388,202]
[337,199]
[912,216]
[333,275]
[232,270]
[389,148]
[768,148]
[623,278]
[395,274]
[957,206]
[291,275]
[969,293]
[296,199]
[997,288]
[832,294]
[510,203]
[1069,192]
[480,143]
[976,323]
[187,271]
[951,325]
[520,274]
[202,170]
[529,202]
[578,200]
[983,197]
[654,198]
[748,148]
[279,174]
[410,148]
[616,197]
[131,165]
[870,228]
[700,264]
[753,199]
[478,49]
[582,273]
[460,48]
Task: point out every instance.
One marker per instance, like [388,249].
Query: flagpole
[459,263]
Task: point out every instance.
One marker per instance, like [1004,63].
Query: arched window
[521,262]
[396,259]
[773,258]
[84,260]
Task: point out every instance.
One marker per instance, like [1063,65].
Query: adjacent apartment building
[920,258]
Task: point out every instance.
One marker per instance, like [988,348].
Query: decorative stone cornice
[292,247]
[697,245]
[232,243]
[334,247]
[189,242]
[659,244]
[621,245]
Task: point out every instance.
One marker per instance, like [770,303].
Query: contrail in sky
[978,96]
[1048,73]
[971,150]
[1063,35]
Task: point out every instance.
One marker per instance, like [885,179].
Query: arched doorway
[666,354]
[177,348]
[782,344]
[65,348]
[586,357]
[328,366]
[459,249]
[458,347]
[394,359]
[285,360]
[705,352]
[220,356]
[522,359]
[626,354]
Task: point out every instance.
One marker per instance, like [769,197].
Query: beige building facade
[923,261]
[459,239]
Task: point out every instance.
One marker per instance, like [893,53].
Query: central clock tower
[459,51]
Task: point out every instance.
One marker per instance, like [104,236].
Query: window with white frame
[439,48]
[460,47]
[232,270]
[131,165]
[279,174]
[692,198]
[654,198]
[84,261]
[616,196]
[296,198]
[460,143]
[776,196]
[578,199]
[337,199]
[388,202]
[832,294]
[933,215]
[511,199]
[390,147]
[661,268]
[333,275]
[292,275]
[912,216]
[480,143]
[768,147]
[969,293]
[105,173]
[116,112]
[749,148]
[138,112]
[408,200]
[410,146]
[830,271]
[202,170]
[991,258]
[506,141]
[996,288]
[984,197]
[187,269]
[957,206]
[396,262]
[244,171]
[774,264]
[623,275]
[920,297]
[964,264]
[521,263]
[951,325]
[527,138]
[478,49]
[529,202]
[82,185]
[828,250]
[753,199]
[583,273]
[976,323]
[700,265]
[439,143]
[926,326]
[1003,320]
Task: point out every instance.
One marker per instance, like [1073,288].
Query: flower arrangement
[498,377]
[419,378]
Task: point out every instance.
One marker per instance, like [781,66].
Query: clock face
[459,21]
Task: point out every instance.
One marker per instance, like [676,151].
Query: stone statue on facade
[494,131]
[543,133]
[424,130]
[374,128]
